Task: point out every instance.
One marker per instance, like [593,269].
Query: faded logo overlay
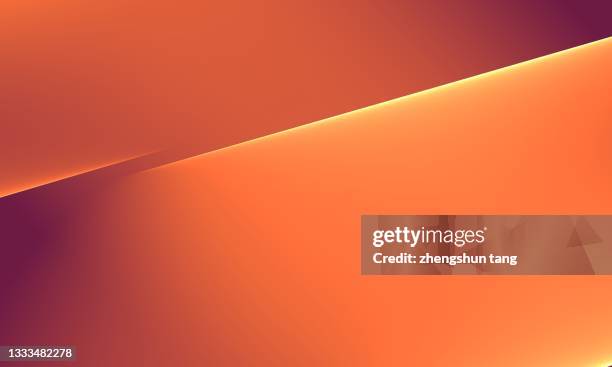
[486,244]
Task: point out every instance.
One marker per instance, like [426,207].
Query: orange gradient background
[249,254]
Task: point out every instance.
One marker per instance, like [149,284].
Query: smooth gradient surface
[249,255]
[85,84]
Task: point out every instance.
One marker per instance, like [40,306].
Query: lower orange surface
[253,250]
